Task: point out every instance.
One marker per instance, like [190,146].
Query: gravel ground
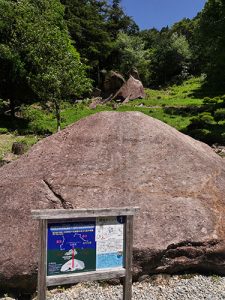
[161,287]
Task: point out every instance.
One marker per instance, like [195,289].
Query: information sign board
[86,244]
[82,246]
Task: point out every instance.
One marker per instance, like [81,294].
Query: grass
[6,141]
[176,106]
[79,111]
[181,95]
[153,105]
[73,114]
[179,122]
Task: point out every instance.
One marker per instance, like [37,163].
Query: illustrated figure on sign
[73,264]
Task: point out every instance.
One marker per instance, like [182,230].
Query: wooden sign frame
[47,215]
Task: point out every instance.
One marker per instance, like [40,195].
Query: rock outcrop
[118,159]
[115,87]
[130,90]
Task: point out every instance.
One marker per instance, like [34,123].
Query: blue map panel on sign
[71,248]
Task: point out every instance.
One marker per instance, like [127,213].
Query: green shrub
[219,115]
[28,140]
[30,113]
[39,122]
[3,130]
[207,118]
[202,120]
[208,100]
[201,134]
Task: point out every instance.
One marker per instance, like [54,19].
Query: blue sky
[160,13]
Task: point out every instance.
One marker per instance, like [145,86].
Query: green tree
[184,27]
[118,21]
[93,26]
[150,37]
[169,59]
[86,21]
[41,53]
[190,29]
[219,115]
[212,40]
[181,46]
[13,84]
[129,52]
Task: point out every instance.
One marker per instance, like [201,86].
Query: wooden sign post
[84,245]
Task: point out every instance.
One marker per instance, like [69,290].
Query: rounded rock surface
[113,159]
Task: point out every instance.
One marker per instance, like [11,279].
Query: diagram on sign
[73,264]
[71,248]
[75,240]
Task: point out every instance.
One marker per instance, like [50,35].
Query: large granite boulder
[118,159]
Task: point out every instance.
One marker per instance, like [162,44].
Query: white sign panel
[109,242]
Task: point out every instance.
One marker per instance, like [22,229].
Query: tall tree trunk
[58,115]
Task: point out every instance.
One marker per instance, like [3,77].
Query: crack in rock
[65,204]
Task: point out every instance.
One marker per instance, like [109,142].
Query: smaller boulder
[132,89]
[19,148]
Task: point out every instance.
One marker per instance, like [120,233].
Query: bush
[208,100]
[200,134]
[202,120]
[206,118]
[219,115]
[38,121]
[3,130]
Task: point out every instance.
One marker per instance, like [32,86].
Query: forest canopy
[52,50]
